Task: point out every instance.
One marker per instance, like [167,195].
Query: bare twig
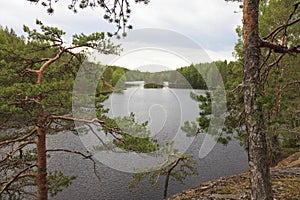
[112,130]
[239,86]
[17,176]
[104,144]
[169,173]
[266,72]
[95,120]
[266,59]
[81,154]
[19,139]
[21,146]
[280,28]
[291,83]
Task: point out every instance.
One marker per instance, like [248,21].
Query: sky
[181,29]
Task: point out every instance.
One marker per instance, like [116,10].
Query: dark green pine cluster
[37,81]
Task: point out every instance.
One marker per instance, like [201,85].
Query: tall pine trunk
[42,157]
[41,144]
[258,156]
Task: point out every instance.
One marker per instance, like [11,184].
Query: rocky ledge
[285,184]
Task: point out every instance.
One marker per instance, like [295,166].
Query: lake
[166,110]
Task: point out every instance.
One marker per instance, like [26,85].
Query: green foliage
[112,78]
[47,34]
[57,181]
[187,168]
[238,48]
[23,100]
[95,41]
[205,110]
[192,76]
[119,79]
[135,137]
[129,135]
[190,128]
[17,87]
[281,98]
[176,166]
[205,123]
[153,85]
[185,77]
[134,75]
[115,12]
[276,78]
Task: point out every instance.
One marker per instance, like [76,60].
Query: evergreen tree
[264,72]
[37,76]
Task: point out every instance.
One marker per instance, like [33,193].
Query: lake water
[166,110]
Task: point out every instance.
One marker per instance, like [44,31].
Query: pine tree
[37,76]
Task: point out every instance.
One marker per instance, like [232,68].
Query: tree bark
[168,176]
[41,141]
[42,158]
[258,156]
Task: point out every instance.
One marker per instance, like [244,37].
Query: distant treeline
[184,77]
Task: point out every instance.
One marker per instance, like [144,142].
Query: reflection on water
[166,110]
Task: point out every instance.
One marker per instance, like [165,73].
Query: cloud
[152,47]
[15,13]
[209,23]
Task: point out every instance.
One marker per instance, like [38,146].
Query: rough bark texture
[258,156]
[42,158]
[41,142]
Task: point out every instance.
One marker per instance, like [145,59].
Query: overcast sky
[208,23]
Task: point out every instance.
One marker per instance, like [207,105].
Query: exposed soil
[285,184]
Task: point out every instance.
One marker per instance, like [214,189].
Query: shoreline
[285,184]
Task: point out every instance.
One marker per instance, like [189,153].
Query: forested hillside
[50,86]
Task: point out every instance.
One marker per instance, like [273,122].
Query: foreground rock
[285,184]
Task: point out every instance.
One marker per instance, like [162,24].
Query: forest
[38,86]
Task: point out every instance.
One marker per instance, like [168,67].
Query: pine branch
[291,83]
[16,177]
[49,61]
[266,72]
[115,11]
[280,28]
[176,162]
[56,117]
[112,130]
[21,146]
[18,139]
[81,154]
[40,72]
[71,151]
[278,48]
[99,138]
[266,59]
[239,86]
